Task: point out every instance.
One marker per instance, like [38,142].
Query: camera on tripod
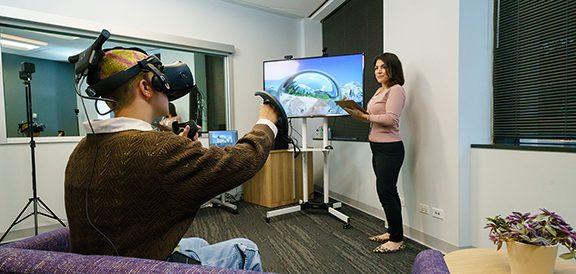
[26,70]
[26,75]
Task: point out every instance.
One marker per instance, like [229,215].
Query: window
[56,107]
[534,81]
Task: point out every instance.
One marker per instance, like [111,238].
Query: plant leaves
[568,256]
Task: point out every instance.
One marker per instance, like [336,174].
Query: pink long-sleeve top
[384,110]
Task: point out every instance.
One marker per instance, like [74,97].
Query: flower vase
[527,259]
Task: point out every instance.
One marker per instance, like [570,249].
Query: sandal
[380,238]
[382,249]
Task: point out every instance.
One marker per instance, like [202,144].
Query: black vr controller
[179,127]
[282,139]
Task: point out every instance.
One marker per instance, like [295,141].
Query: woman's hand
[357,114]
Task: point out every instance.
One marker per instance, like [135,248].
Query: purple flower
[545,228]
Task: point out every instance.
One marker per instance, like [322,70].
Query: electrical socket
[438,213]
[424,208]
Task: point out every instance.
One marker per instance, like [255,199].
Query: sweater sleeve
[394,106]
[193,174]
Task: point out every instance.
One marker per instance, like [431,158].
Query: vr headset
[175,80]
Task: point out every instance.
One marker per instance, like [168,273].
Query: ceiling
[60,46]
[313,9]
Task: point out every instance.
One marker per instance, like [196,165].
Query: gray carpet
[311,241]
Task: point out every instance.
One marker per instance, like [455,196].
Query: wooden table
[279,182]
[488,260]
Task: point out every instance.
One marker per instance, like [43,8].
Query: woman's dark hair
[393,68]
[172,110]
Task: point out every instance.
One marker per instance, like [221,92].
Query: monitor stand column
[330,207]
[220,201]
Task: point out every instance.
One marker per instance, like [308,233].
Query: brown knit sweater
[142,189]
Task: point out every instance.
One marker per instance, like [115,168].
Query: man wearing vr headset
[133,191]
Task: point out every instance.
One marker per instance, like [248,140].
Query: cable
[87,191]
[294,141]
[200,107]
[86,205]
[96,99]
[331,137]
[292,128]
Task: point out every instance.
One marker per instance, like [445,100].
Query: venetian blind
[534,80]
[356,27]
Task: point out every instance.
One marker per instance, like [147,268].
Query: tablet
[350,104]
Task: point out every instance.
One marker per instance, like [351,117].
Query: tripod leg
[53,215]
[16,220]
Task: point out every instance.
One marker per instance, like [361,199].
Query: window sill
[41,140]
[528,147]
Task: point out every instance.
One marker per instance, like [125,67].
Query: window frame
[53,24]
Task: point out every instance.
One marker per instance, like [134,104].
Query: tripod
[26,75]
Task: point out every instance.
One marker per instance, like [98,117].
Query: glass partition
[58,111]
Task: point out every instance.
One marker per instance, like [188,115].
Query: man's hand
[186,130]
[268,112]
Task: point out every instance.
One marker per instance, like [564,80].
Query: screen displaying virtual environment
[309,87]
[222,138]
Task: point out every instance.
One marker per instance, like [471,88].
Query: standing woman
[384,109]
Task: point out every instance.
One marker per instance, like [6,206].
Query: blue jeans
[236,253]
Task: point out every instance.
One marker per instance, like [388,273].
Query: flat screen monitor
[308,87]
[222,138]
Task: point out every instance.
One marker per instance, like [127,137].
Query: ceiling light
[60,36]
[22,39]
[17,45]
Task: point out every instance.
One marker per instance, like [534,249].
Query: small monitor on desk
[222,138]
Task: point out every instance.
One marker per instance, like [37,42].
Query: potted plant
[537,234]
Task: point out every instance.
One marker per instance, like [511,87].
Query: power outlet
[425,209]
[438,213]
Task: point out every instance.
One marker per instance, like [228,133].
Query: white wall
[16,182]
[424,35]
[256,36]
[445,48]
[475,98]
[523,181]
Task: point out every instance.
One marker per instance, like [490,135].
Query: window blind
[534,70]
[355,27]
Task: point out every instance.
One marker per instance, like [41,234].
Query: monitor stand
[304,204]
[220,201]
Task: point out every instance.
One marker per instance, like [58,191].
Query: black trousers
[387,159]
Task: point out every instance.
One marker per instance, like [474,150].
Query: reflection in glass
[54,101]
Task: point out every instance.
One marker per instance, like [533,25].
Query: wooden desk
[488,260]
[279,182]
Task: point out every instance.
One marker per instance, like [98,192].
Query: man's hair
[393,68]
[117,60]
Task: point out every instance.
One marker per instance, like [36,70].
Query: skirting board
[409,232]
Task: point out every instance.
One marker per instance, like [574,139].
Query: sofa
[430,261]
[49,253]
